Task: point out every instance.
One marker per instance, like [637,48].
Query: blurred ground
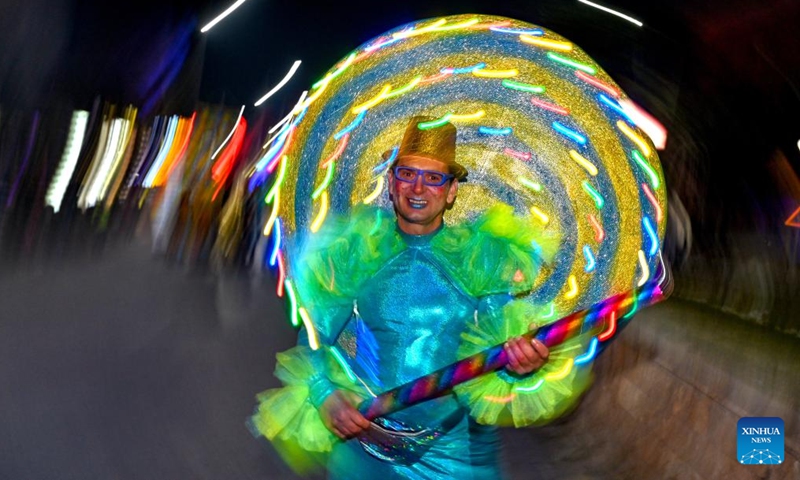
[118,365]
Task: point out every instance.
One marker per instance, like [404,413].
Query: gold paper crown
[436,143]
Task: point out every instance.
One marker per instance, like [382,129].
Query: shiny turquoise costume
[389,307]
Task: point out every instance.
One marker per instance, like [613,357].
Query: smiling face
[420,207]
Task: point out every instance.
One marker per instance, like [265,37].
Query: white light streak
[277,87]
[221,16]
[613,12]
[287,117]
[69,160]
[235,125]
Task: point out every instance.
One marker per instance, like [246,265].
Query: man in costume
[392,301]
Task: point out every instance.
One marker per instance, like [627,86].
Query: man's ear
[451,194]
[390,180]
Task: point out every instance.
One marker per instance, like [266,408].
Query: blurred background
[134,334]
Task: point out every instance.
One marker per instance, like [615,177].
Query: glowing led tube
[589,355]
[532,388]
[378,189]
[496,73]
[292,302]
[277,87]
[540,215]
[569,133]
[230,134]
[599,233]
[585,164]
[628,131]
[612,327]
[544,43]
[571,63]
[598,199]
[312,333]
[495,131]
[532,185]
[647,168]
[523,87]
[381,96]
[323,211]
[590,261]
[519,155]
[645,269]
[222,15]
[350,127]
[613,12]
[573,288]
[550,106]
[518,31]
[597,83]
[648,227]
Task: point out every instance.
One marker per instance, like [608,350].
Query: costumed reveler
[395,299]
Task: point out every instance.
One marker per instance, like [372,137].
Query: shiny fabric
[411,316]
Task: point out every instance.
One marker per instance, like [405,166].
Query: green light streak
[532,185]
[325,183]
[523,87]
[571,63]
[292,302]
[598,199]
[647,168]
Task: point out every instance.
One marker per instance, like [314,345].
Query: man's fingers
[541,349]
[514,355]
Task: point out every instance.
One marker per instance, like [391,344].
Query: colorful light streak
[496,399]
[613,105]
[292,303]
[376,46]
[645,270]
[561,374]
[377,191]
[273,191]
[571,63]
[172,125]
[649,125]
[221,16]
[590,261]
[573,288]
[280,84]
[612,327]
[585,164]
[532,185]
[648,226]
[589,355]
[276,243]
[651,174]
[612,12]
[338,152]
[594,81]
[356,122]
[419,31]
[518,155]
[599,233]
[599,201]
[273,214]
[325,182]
[456,26]
[523,87]
[327,78]
[550,106]
[323,211]
[69,160]
[794,219]
[540,215]
[569,133]
[281,276]
[552,312]
[434,78]
[485,73]
[518,31]
[532,388]
[495,131]
[407,88]
[450,117]
[462,70]
[340,360]
[628,131]
[381,96]
[380,168]
[313,342]
[545,43]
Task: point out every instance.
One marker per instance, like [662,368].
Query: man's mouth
[417,204]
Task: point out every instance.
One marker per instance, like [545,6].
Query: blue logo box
[759,441]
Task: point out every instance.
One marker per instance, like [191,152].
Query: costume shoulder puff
[497,253]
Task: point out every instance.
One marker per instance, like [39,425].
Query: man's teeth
[417,204]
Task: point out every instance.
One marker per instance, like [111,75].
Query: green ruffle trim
[286,415]
[497,253]
[500,398]
[337,261]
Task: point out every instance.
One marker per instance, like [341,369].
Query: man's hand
[525,356]
[341,418]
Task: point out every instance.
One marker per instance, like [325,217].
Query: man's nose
[418,185]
